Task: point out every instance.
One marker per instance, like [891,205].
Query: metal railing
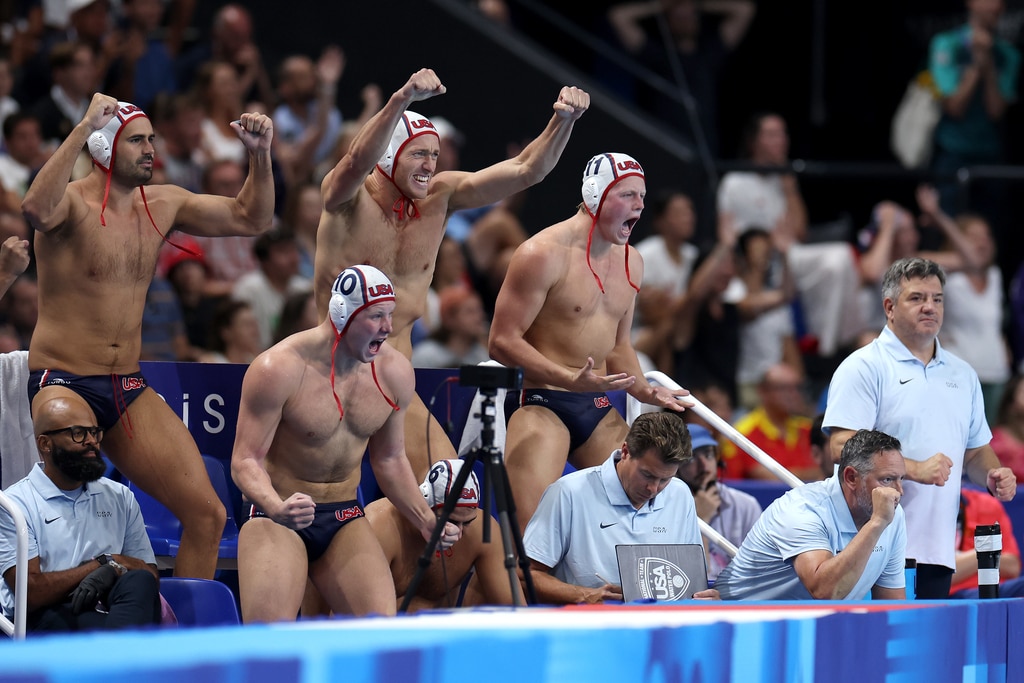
[16,628]
[634,408]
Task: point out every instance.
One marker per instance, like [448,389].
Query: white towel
[17,438]
[474,427]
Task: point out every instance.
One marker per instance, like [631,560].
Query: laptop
[659,572]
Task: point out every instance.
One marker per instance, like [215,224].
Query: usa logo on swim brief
[661,580]
[132,383]
[602,402]
[345,515]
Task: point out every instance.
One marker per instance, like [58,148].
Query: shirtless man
[403,546]
[96,246]
[384,206]
[310,406]
[564,314]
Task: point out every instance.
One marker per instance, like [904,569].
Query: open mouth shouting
[376,344]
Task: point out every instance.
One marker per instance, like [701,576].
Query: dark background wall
[835,69]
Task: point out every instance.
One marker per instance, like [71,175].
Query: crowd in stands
[752,322]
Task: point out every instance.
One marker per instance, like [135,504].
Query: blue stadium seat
[164,529]
[200,602]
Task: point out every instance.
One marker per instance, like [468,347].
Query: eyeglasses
[78,432]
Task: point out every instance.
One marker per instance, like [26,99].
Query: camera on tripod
[491,377]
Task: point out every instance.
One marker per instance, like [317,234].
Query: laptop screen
[661,572]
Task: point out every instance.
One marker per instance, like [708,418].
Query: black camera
[491,377]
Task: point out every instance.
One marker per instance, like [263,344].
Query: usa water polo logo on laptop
[661,580]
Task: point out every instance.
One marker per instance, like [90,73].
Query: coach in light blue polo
[634,497]
[905,384]
[837,539]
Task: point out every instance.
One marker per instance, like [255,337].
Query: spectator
[764,296]
[8,105]
[977,508]
[90,562]
[975,72]
[265,288]
[143,66]
[22,303]
[449,271]
[73,66]
[231,41]
[824,272]
[819,447]
[1008,433]
[462,338]
[701,35]
[727,510]
[234,334]
[178,121]
[187,272]
[302,215]
[297,314]
[217,87]
[442,581]
[778,426]
[228,258]
[669,257]
[705,323]
[636,496]
[163,326]
[837,539]
[307,121]
[23,155]
[907,383]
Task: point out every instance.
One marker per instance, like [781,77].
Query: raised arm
[343,181]
[529,167]
[252,211]
[47,203]
[14,259]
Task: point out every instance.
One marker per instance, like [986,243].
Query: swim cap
[438,484]
[103,143]
[603,171]
[410,126]
[355,289]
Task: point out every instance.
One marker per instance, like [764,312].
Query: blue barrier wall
[702,643]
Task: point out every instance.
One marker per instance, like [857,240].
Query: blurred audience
[234,336]
[779,426]
[1008,428]
[462,336]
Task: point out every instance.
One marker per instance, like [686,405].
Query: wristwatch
[107,558]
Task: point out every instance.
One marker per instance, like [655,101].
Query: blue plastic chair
[200,602]
[163,527]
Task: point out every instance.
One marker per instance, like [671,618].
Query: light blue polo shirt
[933,408]
[814,516]
[585,514]
[64,532]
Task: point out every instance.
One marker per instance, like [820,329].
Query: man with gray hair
[905,384]
[836,539]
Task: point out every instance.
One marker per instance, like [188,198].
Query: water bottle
[988,545]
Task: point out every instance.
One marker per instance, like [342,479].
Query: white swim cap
[103,143]
[603,171]
[438,484]
[355,289]
[411,125]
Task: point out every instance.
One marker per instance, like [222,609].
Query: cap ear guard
[99,149]
[591,194]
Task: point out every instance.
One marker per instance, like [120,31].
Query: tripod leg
[510,533]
